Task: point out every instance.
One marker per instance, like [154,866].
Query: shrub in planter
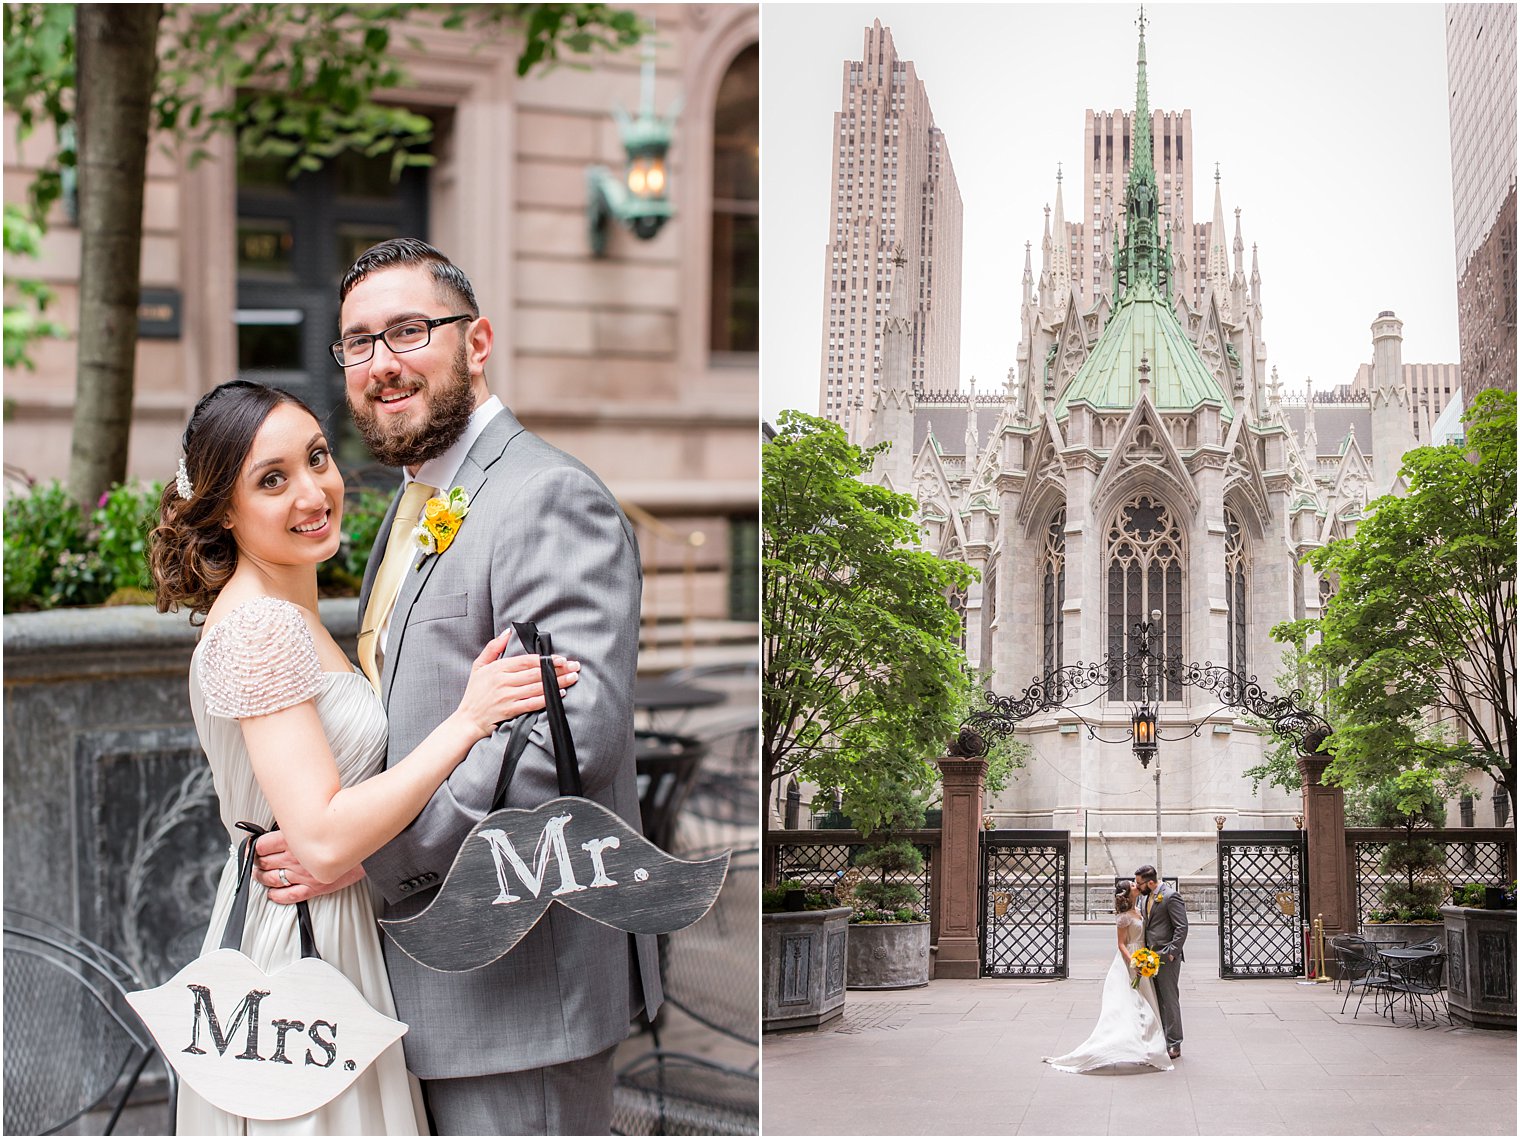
[57,555]
[773,899]
[1414,863]
[884,899]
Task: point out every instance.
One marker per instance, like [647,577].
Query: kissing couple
[1139,1022]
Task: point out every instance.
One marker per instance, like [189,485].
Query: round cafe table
[672,700]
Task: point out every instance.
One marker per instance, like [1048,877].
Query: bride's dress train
[1129,1024]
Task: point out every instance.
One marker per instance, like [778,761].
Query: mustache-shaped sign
[578,854]
[264,1045]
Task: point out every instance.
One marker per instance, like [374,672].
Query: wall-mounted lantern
[639,199]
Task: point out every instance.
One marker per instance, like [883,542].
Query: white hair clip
[182,481]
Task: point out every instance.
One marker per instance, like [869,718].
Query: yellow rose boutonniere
[441,519]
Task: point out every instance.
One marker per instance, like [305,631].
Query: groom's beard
[450,404]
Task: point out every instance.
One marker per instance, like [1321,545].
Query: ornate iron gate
[1025,888]
[1262,900]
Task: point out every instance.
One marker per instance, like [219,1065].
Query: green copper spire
[1140,259]
[1143,326]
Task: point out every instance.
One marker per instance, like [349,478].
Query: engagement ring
[284,877]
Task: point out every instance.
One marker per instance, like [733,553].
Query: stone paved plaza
[1268,1057]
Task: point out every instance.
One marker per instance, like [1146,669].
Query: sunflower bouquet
[1147,963]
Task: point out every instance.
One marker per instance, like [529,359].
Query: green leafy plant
[1412,802]
[887,895]
[56,556]
[773,898]
[363,513]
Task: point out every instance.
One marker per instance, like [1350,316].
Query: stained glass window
[1144,558]
[1053,589]
[1235,589]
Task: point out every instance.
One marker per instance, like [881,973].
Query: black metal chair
[710,970]
[1419,981]
[1362,971]
[667,767]
[72,1043]
[726,793]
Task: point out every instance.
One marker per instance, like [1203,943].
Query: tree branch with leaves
[863,674]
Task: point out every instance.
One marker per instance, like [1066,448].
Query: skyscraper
[1480,69]
[893,185]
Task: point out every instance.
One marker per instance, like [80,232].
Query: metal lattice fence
[1261,897]
[1025,896]
[820,866]
[1467,861]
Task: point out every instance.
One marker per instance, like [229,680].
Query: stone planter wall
[804,962]
[1480,966]
[1408,933]
[111,825]
[890,955]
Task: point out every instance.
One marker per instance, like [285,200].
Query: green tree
[1421,629]
[863,674]
[297,81]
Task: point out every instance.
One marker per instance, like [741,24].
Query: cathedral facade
[1140,460]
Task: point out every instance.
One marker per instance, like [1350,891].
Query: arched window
[1235,589]
[1144,558]
[1053,589]
[735,321]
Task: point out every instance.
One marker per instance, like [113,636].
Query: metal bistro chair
[725,798]
[710,971]
[1362,970]
[1419,981]
[72,1043]
[667,767]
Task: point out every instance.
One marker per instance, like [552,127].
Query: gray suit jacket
[544,541]
[1167,926]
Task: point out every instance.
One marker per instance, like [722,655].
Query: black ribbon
[232,936]
[565,763]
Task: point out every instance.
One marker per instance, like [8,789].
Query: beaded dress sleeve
[259,659]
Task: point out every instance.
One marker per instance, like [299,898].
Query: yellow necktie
[399,554]
[1148,898]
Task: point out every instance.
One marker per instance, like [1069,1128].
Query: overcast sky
[1329,124]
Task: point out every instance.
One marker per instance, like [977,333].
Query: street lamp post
[1143,719]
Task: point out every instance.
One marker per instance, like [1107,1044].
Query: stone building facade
[1141,459]
[1480,64]
[644,362]
[893,186]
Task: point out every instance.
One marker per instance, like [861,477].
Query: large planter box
[888,955]
[804,958]
[1406,933]
[1480,966]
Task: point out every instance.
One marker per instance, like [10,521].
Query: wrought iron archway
[1144,669]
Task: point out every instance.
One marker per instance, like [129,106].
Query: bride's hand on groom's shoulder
[295,884]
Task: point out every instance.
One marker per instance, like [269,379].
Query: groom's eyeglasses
[408,336]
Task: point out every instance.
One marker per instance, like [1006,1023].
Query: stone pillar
[959,953]
[1325,818]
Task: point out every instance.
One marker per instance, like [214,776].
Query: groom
[522,1046]
[1166,927]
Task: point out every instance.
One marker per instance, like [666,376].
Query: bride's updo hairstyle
[1122,902]
[190,553]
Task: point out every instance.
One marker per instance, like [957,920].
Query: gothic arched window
[1144,556]
[1053,589]
[1235,589]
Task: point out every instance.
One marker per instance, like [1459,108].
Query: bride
[1129,1023]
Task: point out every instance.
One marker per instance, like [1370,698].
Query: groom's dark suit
[1166,928]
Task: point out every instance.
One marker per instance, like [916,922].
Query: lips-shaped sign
[262,1045]
[515,864]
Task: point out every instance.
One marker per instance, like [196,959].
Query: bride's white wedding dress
[1129,1023]
[258,659]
